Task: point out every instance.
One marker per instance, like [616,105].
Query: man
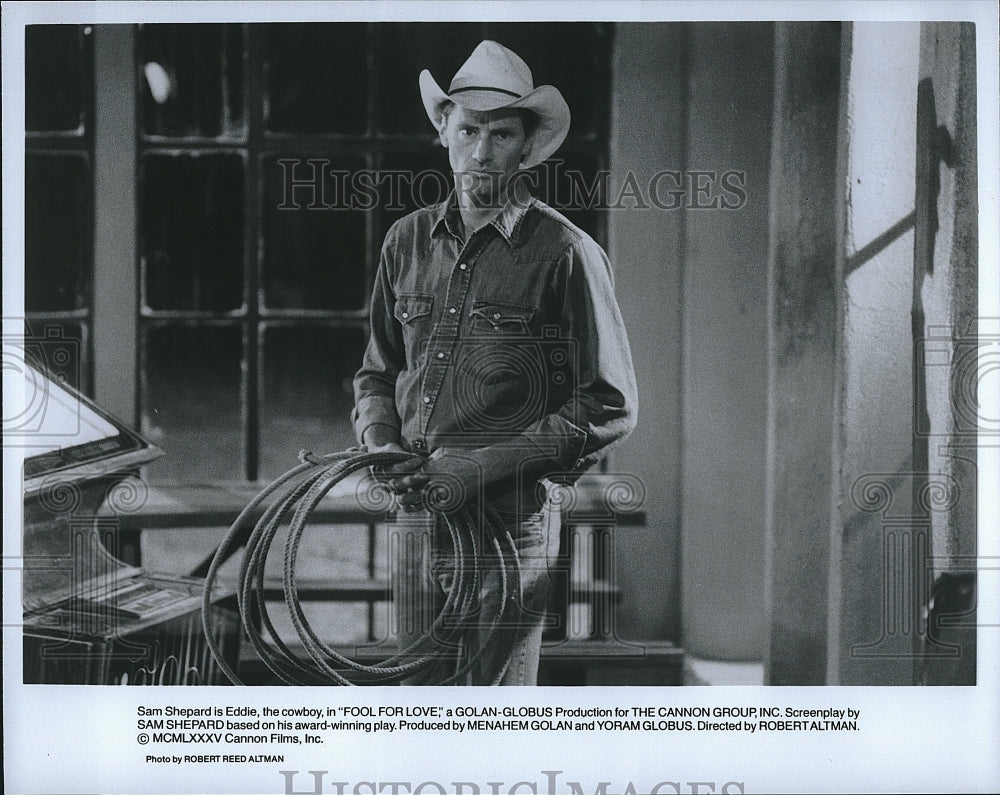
[497,350]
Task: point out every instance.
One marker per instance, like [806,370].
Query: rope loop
[439,656]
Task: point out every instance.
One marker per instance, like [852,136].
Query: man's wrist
[379,434]
[497,462]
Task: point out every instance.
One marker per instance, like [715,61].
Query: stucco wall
[880,128]
[907,480]
[876,407]
[802,355]
[947,60]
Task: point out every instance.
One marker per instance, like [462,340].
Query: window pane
[420,179]
[316,78]
[192,228]
[314,256]
[191,405]
[404,51]
[192,82]
[57,224]
[308,393]
[56,72]
[573,57]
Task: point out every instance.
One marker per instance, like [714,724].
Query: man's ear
[442,126]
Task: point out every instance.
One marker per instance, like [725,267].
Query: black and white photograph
[644,359]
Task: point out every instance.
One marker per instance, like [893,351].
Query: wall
[802,351]
[949,298]
[909,310]
[725,346]
[871,476]
[645,246]
[692,286]
[880,127]
[876,467]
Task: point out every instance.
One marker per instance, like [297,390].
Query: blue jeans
[424,568]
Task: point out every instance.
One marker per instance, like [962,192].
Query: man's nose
[483,151]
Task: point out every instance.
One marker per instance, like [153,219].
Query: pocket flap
[410,306]
[501,316]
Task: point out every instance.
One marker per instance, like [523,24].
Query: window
[247,304]
[252,308]
[58,199]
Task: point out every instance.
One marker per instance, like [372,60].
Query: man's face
[485,149]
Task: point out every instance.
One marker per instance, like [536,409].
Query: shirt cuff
[374,410]
[567,440]
[552,447]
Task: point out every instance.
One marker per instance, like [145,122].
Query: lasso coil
[440,656]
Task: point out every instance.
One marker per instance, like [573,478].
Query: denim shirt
[510,343]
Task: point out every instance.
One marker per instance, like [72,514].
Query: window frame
[257,146]
[78,144]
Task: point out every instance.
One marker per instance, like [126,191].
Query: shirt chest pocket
[495,319]
[413,312]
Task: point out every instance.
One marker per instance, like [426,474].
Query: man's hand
[382,438]
[444,482]
[391,447]
[384,474]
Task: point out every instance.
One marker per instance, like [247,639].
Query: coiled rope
[440,656]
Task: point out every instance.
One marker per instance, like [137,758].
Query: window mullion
[253,386]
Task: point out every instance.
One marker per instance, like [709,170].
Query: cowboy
[497,350]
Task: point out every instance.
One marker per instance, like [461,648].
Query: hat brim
[546,102]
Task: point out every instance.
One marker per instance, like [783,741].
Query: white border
[945,739]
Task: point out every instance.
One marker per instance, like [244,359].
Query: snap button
[427,399]
[452,311]
[462,267]
[406,314]
[440,355]
[496,315]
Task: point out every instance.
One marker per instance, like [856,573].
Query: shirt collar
[507,222]
[446,218]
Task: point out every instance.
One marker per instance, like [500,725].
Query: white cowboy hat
[494,77]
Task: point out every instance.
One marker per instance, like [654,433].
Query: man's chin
[476,179]
[484,188]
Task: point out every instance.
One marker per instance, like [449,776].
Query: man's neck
[477,215]
[475,218]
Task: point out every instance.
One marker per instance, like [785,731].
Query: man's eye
[503,136]
[466,131]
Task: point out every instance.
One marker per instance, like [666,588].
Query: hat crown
[493,66]
[495,78]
